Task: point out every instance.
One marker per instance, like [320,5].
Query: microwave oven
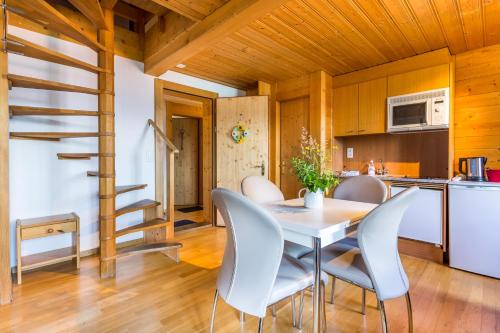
[426,110]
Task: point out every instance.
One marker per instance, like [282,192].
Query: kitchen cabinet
[360,108]
[420,80]
[345,110]
[372,106]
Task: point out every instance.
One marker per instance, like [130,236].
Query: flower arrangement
[308,166]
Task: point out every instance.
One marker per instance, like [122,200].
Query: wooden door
[294,115]
[345,110]
[236,161]
[185,135]
[372,106]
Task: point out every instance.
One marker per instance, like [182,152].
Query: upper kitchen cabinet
[419,80]
[360,108]
[345,110]
[372,106]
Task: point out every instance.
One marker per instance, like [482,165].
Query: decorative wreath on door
[239,134]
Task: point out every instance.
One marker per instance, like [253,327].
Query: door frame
[162,89]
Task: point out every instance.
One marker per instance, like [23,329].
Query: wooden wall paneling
[420,80]
[372,106]
[412,155]
[477,105]
[294,114]
[107,148]
[5,275]
[345,110]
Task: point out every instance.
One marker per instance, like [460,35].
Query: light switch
[350,152]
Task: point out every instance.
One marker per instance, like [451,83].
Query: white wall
[40,184]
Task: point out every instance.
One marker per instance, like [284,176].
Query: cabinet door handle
[50,230]
[361,130]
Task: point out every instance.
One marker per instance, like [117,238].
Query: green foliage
[308,166]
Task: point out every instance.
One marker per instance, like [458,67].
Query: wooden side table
[45,227]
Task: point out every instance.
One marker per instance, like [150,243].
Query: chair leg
[333,290]
[383,316]
[273,310]
[242,317]
[214,309]
[301,310]
[363,301]
[294,315]
[261,325]
[410,312]
[323,306]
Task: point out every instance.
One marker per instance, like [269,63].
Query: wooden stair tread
[139,205]
[18,45]
[128,188]
[20,81]
[51,136]
[76,156]
[16,110]
[92,173]
[41,12]
[153,224]
[148,247]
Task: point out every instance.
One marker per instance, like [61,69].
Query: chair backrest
[252,255]
[378,241]
[361,188]
[261,190]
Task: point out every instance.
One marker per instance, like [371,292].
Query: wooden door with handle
[235,117]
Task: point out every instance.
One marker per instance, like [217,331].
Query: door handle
[262,168]
[282,167]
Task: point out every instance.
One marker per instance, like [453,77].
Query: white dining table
[317,228]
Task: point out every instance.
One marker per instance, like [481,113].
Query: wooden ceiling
[338,36]
[193,9]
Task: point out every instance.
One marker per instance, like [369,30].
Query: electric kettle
[474,168]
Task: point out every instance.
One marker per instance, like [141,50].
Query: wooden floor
[153,294]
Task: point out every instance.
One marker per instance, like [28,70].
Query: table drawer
[48,230]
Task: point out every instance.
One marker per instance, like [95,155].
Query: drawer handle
[50,230]
[60,231]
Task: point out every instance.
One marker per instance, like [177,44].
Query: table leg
[317,286]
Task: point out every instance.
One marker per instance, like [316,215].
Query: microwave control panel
[439,111]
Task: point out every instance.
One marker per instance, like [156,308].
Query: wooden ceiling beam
[183,10]
[227,19]
[92,10]
[108,4]
[43,13]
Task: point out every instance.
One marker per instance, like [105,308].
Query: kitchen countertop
[394,178]
[471,183]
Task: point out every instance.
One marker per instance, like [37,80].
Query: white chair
[254,272]
[262,191]
[375,265]
[363,189]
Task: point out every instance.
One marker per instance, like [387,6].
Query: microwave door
[411,115]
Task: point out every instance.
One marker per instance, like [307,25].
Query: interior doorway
[185,115]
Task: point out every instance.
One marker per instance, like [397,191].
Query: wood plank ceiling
[338,36]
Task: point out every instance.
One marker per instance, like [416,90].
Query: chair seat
[344,260]
[295,250]
[293,276]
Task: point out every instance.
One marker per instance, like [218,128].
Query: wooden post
[320,111]
[5,276]
[107,149]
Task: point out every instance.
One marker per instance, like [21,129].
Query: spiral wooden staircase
[156,225]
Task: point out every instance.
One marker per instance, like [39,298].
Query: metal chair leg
[383,316]
[261,325]
[333,289]
[214,309]
[294,315]
[242,317]
[273,310]
[363,301]
[410,312]
[301,310]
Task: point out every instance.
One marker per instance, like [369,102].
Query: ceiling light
[180,66]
